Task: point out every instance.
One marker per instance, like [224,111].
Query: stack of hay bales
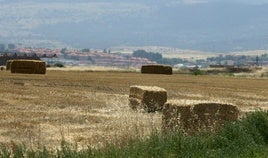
[194,116]
[28,66]
[156,69]
[150,99]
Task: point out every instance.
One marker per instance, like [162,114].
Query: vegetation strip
[245,138]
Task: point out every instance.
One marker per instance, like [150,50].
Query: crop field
[91,108]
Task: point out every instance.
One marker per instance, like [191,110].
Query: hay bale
[228,112]
[176,117]
[150,99]
[156,69]
[213,115]
[8,64]
[204,114]
[134,103]
[28,66]
[193,116]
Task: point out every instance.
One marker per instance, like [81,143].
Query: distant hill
[214,26]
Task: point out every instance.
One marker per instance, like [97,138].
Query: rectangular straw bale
[156,69]
[134,103]
[28,66]
[170,117]
[216,111]
[204,113]
[213,115]
[40,67]
[167,69]
[148,69]
[228,112]
[8,64]
[151,98]
[137,92]
[176,116]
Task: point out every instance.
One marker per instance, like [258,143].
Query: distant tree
[196,71]
[58,64]
[171,61]
[149,55]
[63,50]
[105,50]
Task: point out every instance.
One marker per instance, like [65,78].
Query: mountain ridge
[211,26]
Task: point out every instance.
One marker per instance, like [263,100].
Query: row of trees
[237,59]
[157,57]
[149,55]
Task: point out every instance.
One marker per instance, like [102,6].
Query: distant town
[109,58]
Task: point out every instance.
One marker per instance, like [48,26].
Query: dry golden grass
[263,72]
[91,108]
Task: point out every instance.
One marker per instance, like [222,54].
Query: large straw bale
[134,103]
[137,91]
[228,112]
[204,114]
[196,116]
[148,98]
[28,66]
[176,117]
[156,69]
[214,114]
[8,64]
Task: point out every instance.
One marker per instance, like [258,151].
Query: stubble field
[91,108]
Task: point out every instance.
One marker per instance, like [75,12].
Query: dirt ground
[91,108]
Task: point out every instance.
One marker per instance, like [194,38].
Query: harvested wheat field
[91,108]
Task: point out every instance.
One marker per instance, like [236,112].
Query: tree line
[156,57]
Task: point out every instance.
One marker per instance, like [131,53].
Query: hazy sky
[177,23]
[174,1]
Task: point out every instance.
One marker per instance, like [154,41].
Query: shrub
[257,123]
[58,65]
[198,72]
